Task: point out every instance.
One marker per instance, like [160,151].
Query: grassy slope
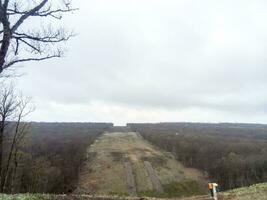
[254,192]
[106,174]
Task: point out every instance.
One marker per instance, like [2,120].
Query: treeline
[51,156]
[233,155]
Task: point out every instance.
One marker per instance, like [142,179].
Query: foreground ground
[127,165]
[255,192]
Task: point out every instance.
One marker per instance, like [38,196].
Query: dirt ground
[105,172]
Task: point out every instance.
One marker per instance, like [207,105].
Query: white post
[215,185]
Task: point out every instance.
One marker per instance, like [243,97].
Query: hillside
[126,164]
[255,192]
[234,155]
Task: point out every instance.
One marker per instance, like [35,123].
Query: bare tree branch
[54,37]
[46,13]
[32,59]
[15,38]
[31,12]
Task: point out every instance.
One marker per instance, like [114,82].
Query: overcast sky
[154,61]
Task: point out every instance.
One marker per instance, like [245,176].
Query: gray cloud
[153,60]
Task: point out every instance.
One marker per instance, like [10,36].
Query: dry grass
[107,175]
[255,192]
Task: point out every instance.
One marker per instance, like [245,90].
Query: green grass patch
[24,197]
[257,192]
[120,194]
[117,156]
[156,161]
[151,193]
[184,188]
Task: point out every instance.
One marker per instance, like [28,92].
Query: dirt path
[130,179]
[153,177]
[126,164]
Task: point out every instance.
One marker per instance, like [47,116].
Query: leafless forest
[233,155]
[50,157]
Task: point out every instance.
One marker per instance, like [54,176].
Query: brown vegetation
[57,153]
[126,164]
[13,134]
[233,155]
[52,156]
[131,186]
[153,177]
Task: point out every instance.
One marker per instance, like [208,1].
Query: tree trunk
[2,124]
[6,171]
[5,45]
[13,179]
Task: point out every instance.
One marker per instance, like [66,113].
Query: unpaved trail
[126,164]
[130,179]
[153,177]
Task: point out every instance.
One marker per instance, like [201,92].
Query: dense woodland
[233,155]
[51,156]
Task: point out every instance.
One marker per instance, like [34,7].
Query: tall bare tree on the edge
[13,108]
[22,39]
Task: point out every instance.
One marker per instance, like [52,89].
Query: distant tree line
[233,155]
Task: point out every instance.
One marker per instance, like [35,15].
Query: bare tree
[7,107]
[22,39]
[13,108]
[20,131]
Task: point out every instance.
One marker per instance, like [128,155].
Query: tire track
[131,186]
[153,177]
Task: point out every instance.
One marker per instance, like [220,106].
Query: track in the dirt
[153,177]
[131,186]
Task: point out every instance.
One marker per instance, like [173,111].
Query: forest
[233,155]
[50,157]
